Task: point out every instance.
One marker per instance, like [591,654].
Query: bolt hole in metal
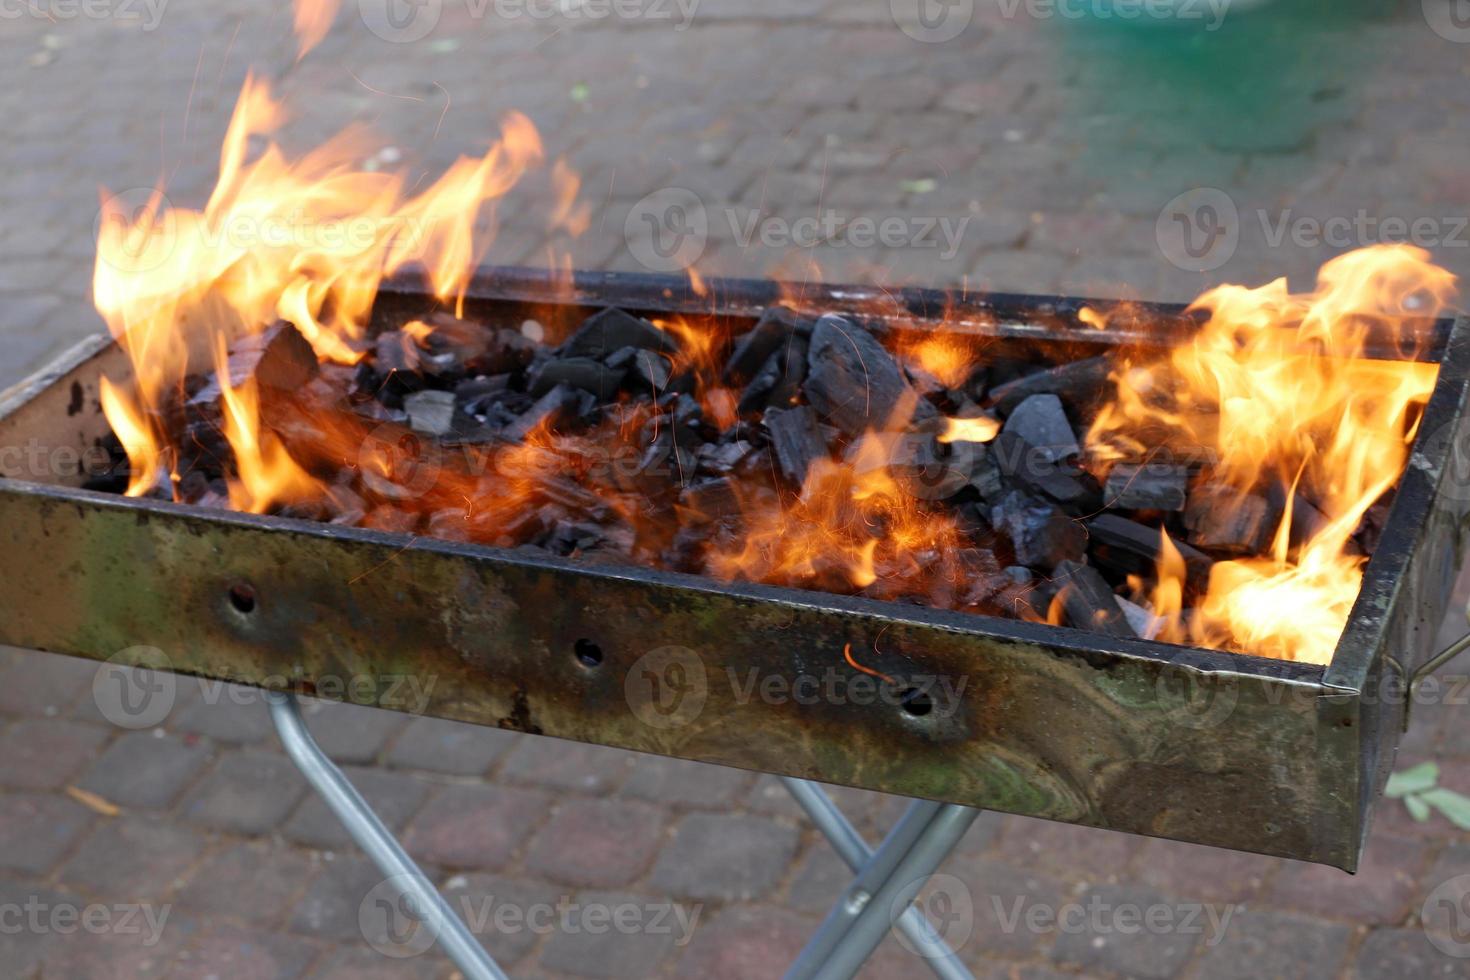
[242,598]
[588,654]
[915,703]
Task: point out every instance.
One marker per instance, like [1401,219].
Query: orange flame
[312,19]
[1283,387]
[306,240]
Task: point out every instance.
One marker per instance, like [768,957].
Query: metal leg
[851,847]
[899,888]
[378,843]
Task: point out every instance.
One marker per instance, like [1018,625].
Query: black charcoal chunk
[1034,469]
[430,412]
[278,358]
[576,372]
[709,500]
[1130,548]
[776,327]
[548,409]
[723,458]
[1087,601]
[1040,534]
[394,352]
[791,360]
[1221,518]
[647,370]
[1149,486]
[1074,380]
[604,332]
[855,382]
[796,440]
[1041,422]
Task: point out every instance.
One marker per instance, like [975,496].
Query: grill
[1214,748]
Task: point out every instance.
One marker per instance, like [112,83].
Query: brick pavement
[1062,143]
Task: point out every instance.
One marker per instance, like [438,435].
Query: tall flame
[1283,388]
[306,240]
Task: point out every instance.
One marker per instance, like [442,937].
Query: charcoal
[1087,601]
[776,327]
[1140,620]
[394,352]
[1075,380]
[278,359]
[474,395]
[578,372]
[568,536]
[571,495]
[1041,421]
[1152,486]
[853,381]
[1032,468]
[1040,534]
[506,352]
[757,395]
[792,363]
[1221,518]
[1307,521]
[647,370]
[724,458]
[663,463]
[985,474]
[796,440]
[1370,529]
[548,409]
[430,412]
[1130,548]
[1019,574]
[605,332]
[710,500]
[924,467]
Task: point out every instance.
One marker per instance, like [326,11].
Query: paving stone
[43,683]
[477,827]
[1121,940]
[252,880]
[1207,873]
[724,858]
[820,877]
[329,908]
[36,830]
[224,712]
[614,934]
[139,950]
[510,915]
[557,764]
[1255,945]
[1380,893]
[1075,854]
[393,797]
[449,746]
[45,753]
[133,858]
[677,782]
[1405,953]
[22,949]
[244,954]
[998,908]
[358,963]
[146,769]
[596,843]
[350,733]
[744,941]
[247,792]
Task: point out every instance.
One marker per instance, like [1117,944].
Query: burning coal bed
[820,452]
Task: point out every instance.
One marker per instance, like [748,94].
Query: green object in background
[1419,788]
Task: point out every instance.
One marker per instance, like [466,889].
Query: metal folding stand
[879,897]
